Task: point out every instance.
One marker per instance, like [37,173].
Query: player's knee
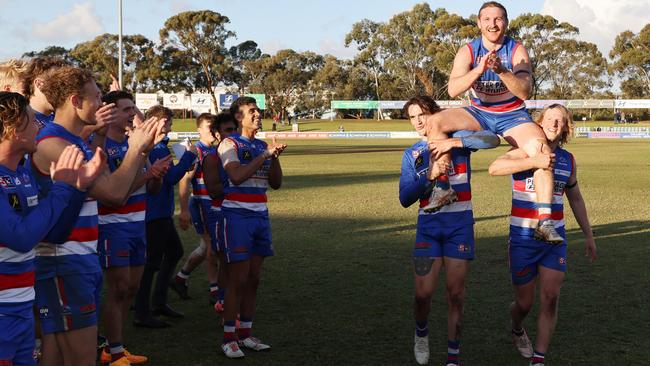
[524,304]
[550,298]
[536,146]
[120,290]
[133,290]
[456,297]
[423,297]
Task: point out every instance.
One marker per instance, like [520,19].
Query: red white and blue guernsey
[76,253]
[25,221]
[246,229]
[250,196]
[122,229]
[202,205]
[523,219]
[492,104]
[450,231]
[126,221]
[526,253]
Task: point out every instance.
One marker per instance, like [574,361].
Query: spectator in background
[164,247]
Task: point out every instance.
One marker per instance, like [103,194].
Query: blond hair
[13,111]
[11,73]
[568,119]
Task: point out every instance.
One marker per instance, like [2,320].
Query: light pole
[119,41]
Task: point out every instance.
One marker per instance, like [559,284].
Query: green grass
[339,290]
[184,125]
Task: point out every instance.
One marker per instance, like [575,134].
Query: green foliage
[201,36]
[631,61]
[101,56]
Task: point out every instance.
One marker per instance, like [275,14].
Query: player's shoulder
[416,149]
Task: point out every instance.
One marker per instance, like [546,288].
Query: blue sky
[318,25]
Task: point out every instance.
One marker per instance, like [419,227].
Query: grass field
[182,125]
[339,290]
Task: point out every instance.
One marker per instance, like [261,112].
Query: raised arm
[238,173]
[579,209]
[516,160]
[462,75]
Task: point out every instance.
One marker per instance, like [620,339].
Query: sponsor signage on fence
[174,100]
[618,135]
[201,103]
[260,99]
[225,100]
[631,103]
[145,101]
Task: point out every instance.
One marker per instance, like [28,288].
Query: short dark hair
[159,111]
[220,119]
[204,117]
[115,95]
[244,100]
[427,103]
[493,4]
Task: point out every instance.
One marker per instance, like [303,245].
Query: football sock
[518,332]
[214,289]
[453,349]
[229,334]
[422,328]
[182,276]
[543,212]
[245,327]
[116,350]
[442,182]
[538,359]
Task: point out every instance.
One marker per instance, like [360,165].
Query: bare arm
[516,160]
[109,188]
[462,75]
[211,176]
[519,80]
[184,199]
[579,209]
[275,174]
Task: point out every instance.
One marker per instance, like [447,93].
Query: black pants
[164,250]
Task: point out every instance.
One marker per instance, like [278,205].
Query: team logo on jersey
[14,201]
[246,155]
[117,161]
[6,181]
[562,261]
[419,161]
[25,177]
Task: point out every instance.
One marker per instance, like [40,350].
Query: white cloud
[336,48]
[80,23]
[179,6]
[273,46]
[600,21]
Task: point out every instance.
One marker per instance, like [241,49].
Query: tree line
[411,53]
